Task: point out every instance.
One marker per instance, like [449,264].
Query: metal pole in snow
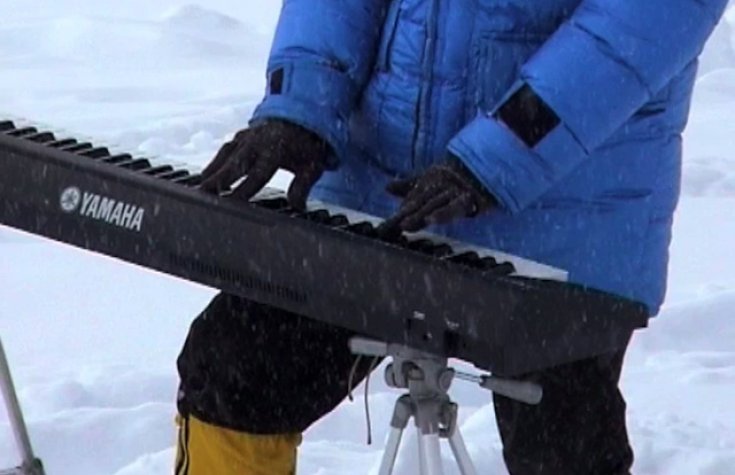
[30,465]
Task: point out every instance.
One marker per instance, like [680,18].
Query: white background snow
[93,341]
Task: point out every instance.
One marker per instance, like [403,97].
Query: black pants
[260,370]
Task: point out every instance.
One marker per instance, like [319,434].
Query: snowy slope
[93,341]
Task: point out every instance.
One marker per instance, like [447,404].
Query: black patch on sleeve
[528,116]
[275,85]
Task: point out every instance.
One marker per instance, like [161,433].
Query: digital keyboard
[502,313]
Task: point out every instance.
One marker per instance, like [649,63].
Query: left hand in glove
[258,152]
[445,192]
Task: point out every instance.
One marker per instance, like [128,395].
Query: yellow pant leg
[204,449]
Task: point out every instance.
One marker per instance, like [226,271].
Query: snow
[93,341]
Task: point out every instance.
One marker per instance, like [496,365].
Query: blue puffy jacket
[393,85]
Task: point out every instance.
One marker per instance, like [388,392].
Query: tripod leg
[428,417]
[402,413]
[430,459]
[391,451]
[466,467]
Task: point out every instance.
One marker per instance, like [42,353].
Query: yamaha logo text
[102,208]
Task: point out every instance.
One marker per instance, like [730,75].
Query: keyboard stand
[428,378]
[30,465]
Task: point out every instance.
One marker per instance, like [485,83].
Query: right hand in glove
[259,152]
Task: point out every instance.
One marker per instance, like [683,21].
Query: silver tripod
[30,465]
[428,379]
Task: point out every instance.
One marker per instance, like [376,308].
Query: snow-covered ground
[92,341]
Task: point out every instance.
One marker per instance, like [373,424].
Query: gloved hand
[259,152]
[445,192]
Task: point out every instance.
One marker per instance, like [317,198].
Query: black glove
[445,192]
[259,152]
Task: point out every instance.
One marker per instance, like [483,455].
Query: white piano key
[524,267]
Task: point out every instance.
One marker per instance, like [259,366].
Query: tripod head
[422,372]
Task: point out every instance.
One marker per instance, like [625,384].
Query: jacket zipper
[423,107]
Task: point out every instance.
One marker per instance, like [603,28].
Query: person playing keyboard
[549,130]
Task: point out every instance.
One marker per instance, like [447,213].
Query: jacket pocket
[497,61]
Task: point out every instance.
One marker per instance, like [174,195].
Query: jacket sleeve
[321,56]
[594,73]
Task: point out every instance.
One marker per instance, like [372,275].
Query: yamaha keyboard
[503,314]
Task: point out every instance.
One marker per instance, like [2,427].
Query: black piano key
[441,250]
[119,158]
[363,228]
[125,163]
[22,132]
[136,164]
[275,204]
[420,245]
[287,210]
[6,125]
[401,240]
[492,266]
[175,175]
[42,137]
[426,246]
[160,170]
[62,143]
[320,216]
[504,268]
[338,220]
[470,259]
[191,180]
[301,214]
[488,262]
[97,152]
[291,211]
[76,148]
[395,239]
